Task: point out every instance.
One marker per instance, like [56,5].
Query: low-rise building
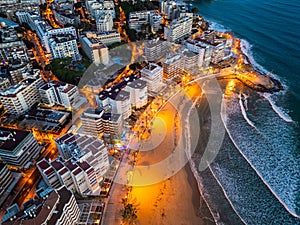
[21,97]
[106,38]
[56,208]
[18,148]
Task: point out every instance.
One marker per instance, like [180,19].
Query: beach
[175,200]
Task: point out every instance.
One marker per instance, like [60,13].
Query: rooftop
[11,138]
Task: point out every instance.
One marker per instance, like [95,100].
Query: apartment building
[153,75]
[19,98]
[178,29]
[95,50]
[56,208]
[59,93]
[106,38]
[18,148]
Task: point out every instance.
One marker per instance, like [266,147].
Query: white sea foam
[286,206]
[244,112]
[279,111]
[226,195]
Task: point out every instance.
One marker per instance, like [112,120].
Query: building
[64,13]
[106,38]
[4,83]
[104,23]
[178,29]
[173,65]
[191,62]
[82,166]
[117,100]
[18,148]
[6,179]
[97,122]
[95,50]
[156,49]
[56,208]
[138,93]
[153,75]
[63,46]
[19,98]
[59,93]
[137,20]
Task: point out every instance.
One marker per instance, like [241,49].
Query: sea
[255,179]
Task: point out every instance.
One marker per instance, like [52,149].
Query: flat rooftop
[11,138]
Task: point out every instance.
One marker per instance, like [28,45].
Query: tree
[195,10]
[129,213]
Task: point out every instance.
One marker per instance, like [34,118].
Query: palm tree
[129,213]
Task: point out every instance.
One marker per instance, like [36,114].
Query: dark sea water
[258,166]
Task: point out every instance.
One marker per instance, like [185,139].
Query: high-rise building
[95,50]
[19,98]
[56,208]
[153,74]
[104,23]
[18,148]
[59,93]
[97,122]
[178,29]
[138,93]
[139,19]
[63,46]
[6,179]
[173,65]
[156,49]
[83,163]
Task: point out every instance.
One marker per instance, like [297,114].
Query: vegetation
[129,7]
[67,71]
[129,213]
[132,34]
[195,10]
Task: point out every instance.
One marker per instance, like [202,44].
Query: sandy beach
[175,200]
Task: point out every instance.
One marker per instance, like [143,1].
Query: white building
[137,19]
[82,166]
[156,49]
[18,148]
[178,29]
[95,50]
[21,97]
[117,100]
[6,179]
[106,38]
[63,46]
[104,23]
[56,208]
[59,93]
[153,75]
[138,93]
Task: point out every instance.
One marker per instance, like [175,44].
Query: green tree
[129,213]
[195,10]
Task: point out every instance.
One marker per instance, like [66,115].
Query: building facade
[19,98]
[153,75]
[178,29]
[18,148]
